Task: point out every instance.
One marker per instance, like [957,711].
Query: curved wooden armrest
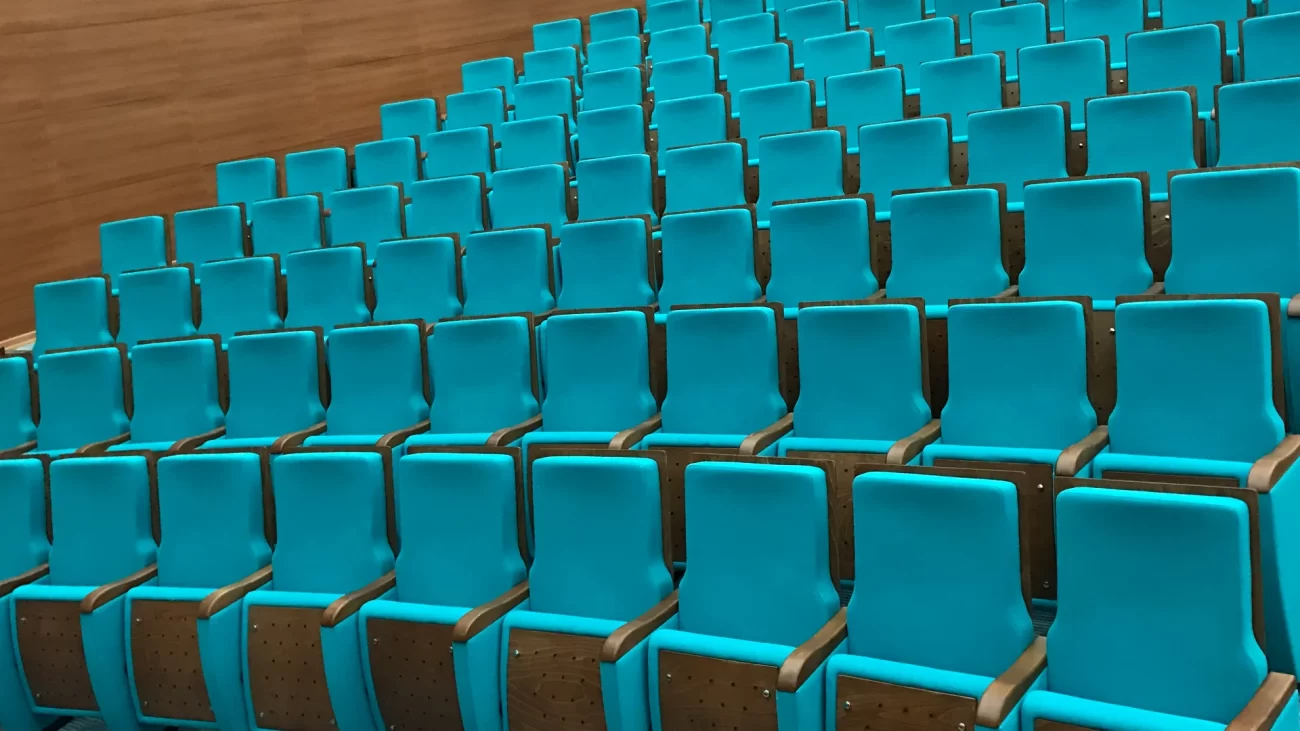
[905,450]
[108,592]
[8,585]
[103,445]
[1155,288]
[809,656]
[621,641]
[1002,695]
[1012,291]
[394,438]
[349,604]
[231,593]
[503,437]
[1264,708]
[481,617]
[629,438]
[293,439]
[1268,469]
[190,443]
[18,450]
[763,438]
[1078,455]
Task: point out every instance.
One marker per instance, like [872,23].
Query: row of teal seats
[338,589]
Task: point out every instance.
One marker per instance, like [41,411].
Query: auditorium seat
[326,288]
[617,186]
[820,251]
[614,24]
[671,14]
[1151,132]
[962,10]
[1178,13]
[958,87]
[73,313]
[799,165]
[552,64]
[316,171]
[704,176]
[1267,43]
[615,53]
[908,45]
[1071,72]
[411,118]
[864,97]
[247,181]
[612,132]
[365,216]
[613,88]
[466,151]
[530,142]
[775,109]
[1253,119]
[490,73]
[708,258]
[606,264]
[564,33]
[743,32]
[455,205]
[84,399]
[155,303]
[877,15]
[287,224]
[18,415]
[134,243]
[684,77]
[417,279]
[693,120]
[833,56]
[1007,30]
[546,98]
[530,196]
[508,271]
[677,43]
[240,295]
[209,234]
[384,162]
[1016,145]
[798,24]
[908,155]
[727,9]
[755,66]
[1109,19]
[1174,58]
[25,555]
[474,108]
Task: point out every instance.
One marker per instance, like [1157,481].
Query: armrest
[1002,695]
[190,443]
[108,592]
[809,656]
[394,438]
[231,593]
[103,445]
[18,450]
[1012,291]
[1078,455]
[349,604]
[503,437]
[622,640]
[1268,469]
[481,617]
[763,438]
[1155,288]
[628,438]
[293,439]
[1266,705]
[905,450]
[8,585]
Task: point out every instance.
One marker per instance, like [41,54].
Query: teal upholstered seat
[475,108]
[836,54]
[135,243]
[799,165]
[417,279]
[529,197]
[209,234]
[1265,44]
[530,142]
[1072,72]
[155,303]
[821,250]
[704,176]
[285,225]
[461,151]
[616,186]
[24,546]
[612,131]
[176,392]
[1252,122]
[410,118]
[1007,30]
[82,398]
[72,313]
[708,258]
[1113,21]
[961,86]
[606,264]
[909,44]
[275,387]
[455,205]
[239,295]
[801,23]
[773,109]
[247,181]
[1149,133]
[326,287]
[316,171]
[1015,146]
[863,97]
[17,415]
[508,271]
[612,88]
[489,73]
[366,216]
[903,155]
[613,24]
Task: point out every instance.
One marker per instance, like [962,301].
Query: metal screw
[961,727]
[261,714]
[22,619]
[1040,487]
[1166,216]
[144,703]
[847,705]
[451,650]
[375,641]
[516,653]
[331,722]
[1112,331]
[668,677]
[1121,82]
[254,628]
[1080,145]
[1047,584]
[38,695]
[767,693]
[138,620]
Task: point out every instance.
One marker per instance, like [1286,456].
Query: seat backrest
[17,417]
[275,383]
[316,171]
[864,97]
[83,395]
[247,181]
[597,370]
[475,108]
[454,205]
[1235,231]
[1020,403]
[176,390]
[616,186]
[467,561]
[959,86]
[877,15]
[465,151]
[727,9]
[756,29]
[377,379]
[287,224]
[331,521]
[489,73]
[1086,237]
[606,263]
[1182,646]
[1016,145]
[552,63]
[1110,19]
[741,584]
[671,14]
[1177,57]
[962,9]
[134,243]
[24,544]
[915,533]
[810,21]
[410,118]
[946,244]
[212,523]
[1267,47]
[769,110]
[1070,72]
[417,279]
[209,234]
[365,216]
[71,314]
[1007,30]
[861,373]
[910,44]
[704,176]
[507,271]
[613,24]
[722,371]
[155,303]
[326,287]
[557,34]
[482,374]
[239,295]
[693,120]
[611,132]
[546,98]
[615,53]
[1221,350]
[529,196]
[821,250]
[103,520]
[1253,119]
[684,77]
[612,88]
[683,42]
[1149,133]
[598,526]
[1192,12]
[835,55]
[907,155]
[708,258]
[755,66]
[800,165]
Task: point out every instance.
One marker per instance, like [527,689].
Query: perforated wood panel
[1076,156]
[788,356]
[414,675]
[165,660]
[675,483]
[1159,251]
[842,500]
[1102,369]
[53,658]
[868,705]
[705,693]
[936,337]
[912,108]
[1011,90]
[882,245]
[1013,243]
[958,166]
[553,682]
[286,670]
[1045,725]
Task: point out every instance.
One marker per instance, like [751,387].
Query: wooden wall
[117,108]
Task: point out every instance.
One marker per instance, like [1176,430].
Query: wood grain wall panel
[20,86]
[226,47]
[84,68]
[350,96]
[123,143]
[346,32]
[31,172]
[255,118]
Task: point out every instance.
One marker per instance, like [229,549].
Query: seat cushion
[1093,714]
[342,440]
[568,437]
[562,623]
[723,648]
[48,593]
[898,673]
[303,599]
[939,450]
[141,447]
[1109,461]
[238,443]
[817,444]
[447,440]
[168,594]
[664,439]
[410,612]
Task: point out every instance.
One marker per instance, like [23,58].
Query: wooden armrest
[1001,697]
[809,656]
[8,585]
[1156,288]
[190,443]
[103,445]
[622,640]
[293,439]
[349,604]
[108,592]
[18,450]
[1268,469]
[231,593]
[629,438]
[394,438]
[905,450]
[1012,291]
[1266,705]
[1078,455]
[481,617]
[763,438]
[503,437]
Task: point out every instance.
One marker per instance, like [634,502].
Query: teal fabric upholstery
[820,250]
[481,373]
[464,151]
[1015,146]
[71,314]
[529,196]
[316,171]
[1269,41]
[755,29]
[1177,14]
[134,243]
[545,98]
[684,77]
[877,15]
[613,88]
[616,186]
[959,86]
[1087,237]
[903,155]
[553,63]
[377,381]
[208,234]
[410,118]
[1245,110]
[247,181]
[615,53]
[1073,72]
[770,110]
[452,205]
[912,43]
[1008,30]
[155,303]
[81,398]
[671,14]
[175,391]
[612,131]
[23,546]
[692,120]
[835,54]
[326,287]
[605,264]
[677,43]
[474,108]
[708,258]
[799,165]
[703,176]
[557,34]
[286,225]
[530,142]
[489,73]
[387,161]
[863,97]
[507,271]
[597,370]
[963,10]
[239,295]
[1178,57]
[1149,133]
[755,66]
[416,279]
[274,386]
[365,216]
[728,9]
[946,244]
[16,422]
[1105,19]
[613,24]
[810,21]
